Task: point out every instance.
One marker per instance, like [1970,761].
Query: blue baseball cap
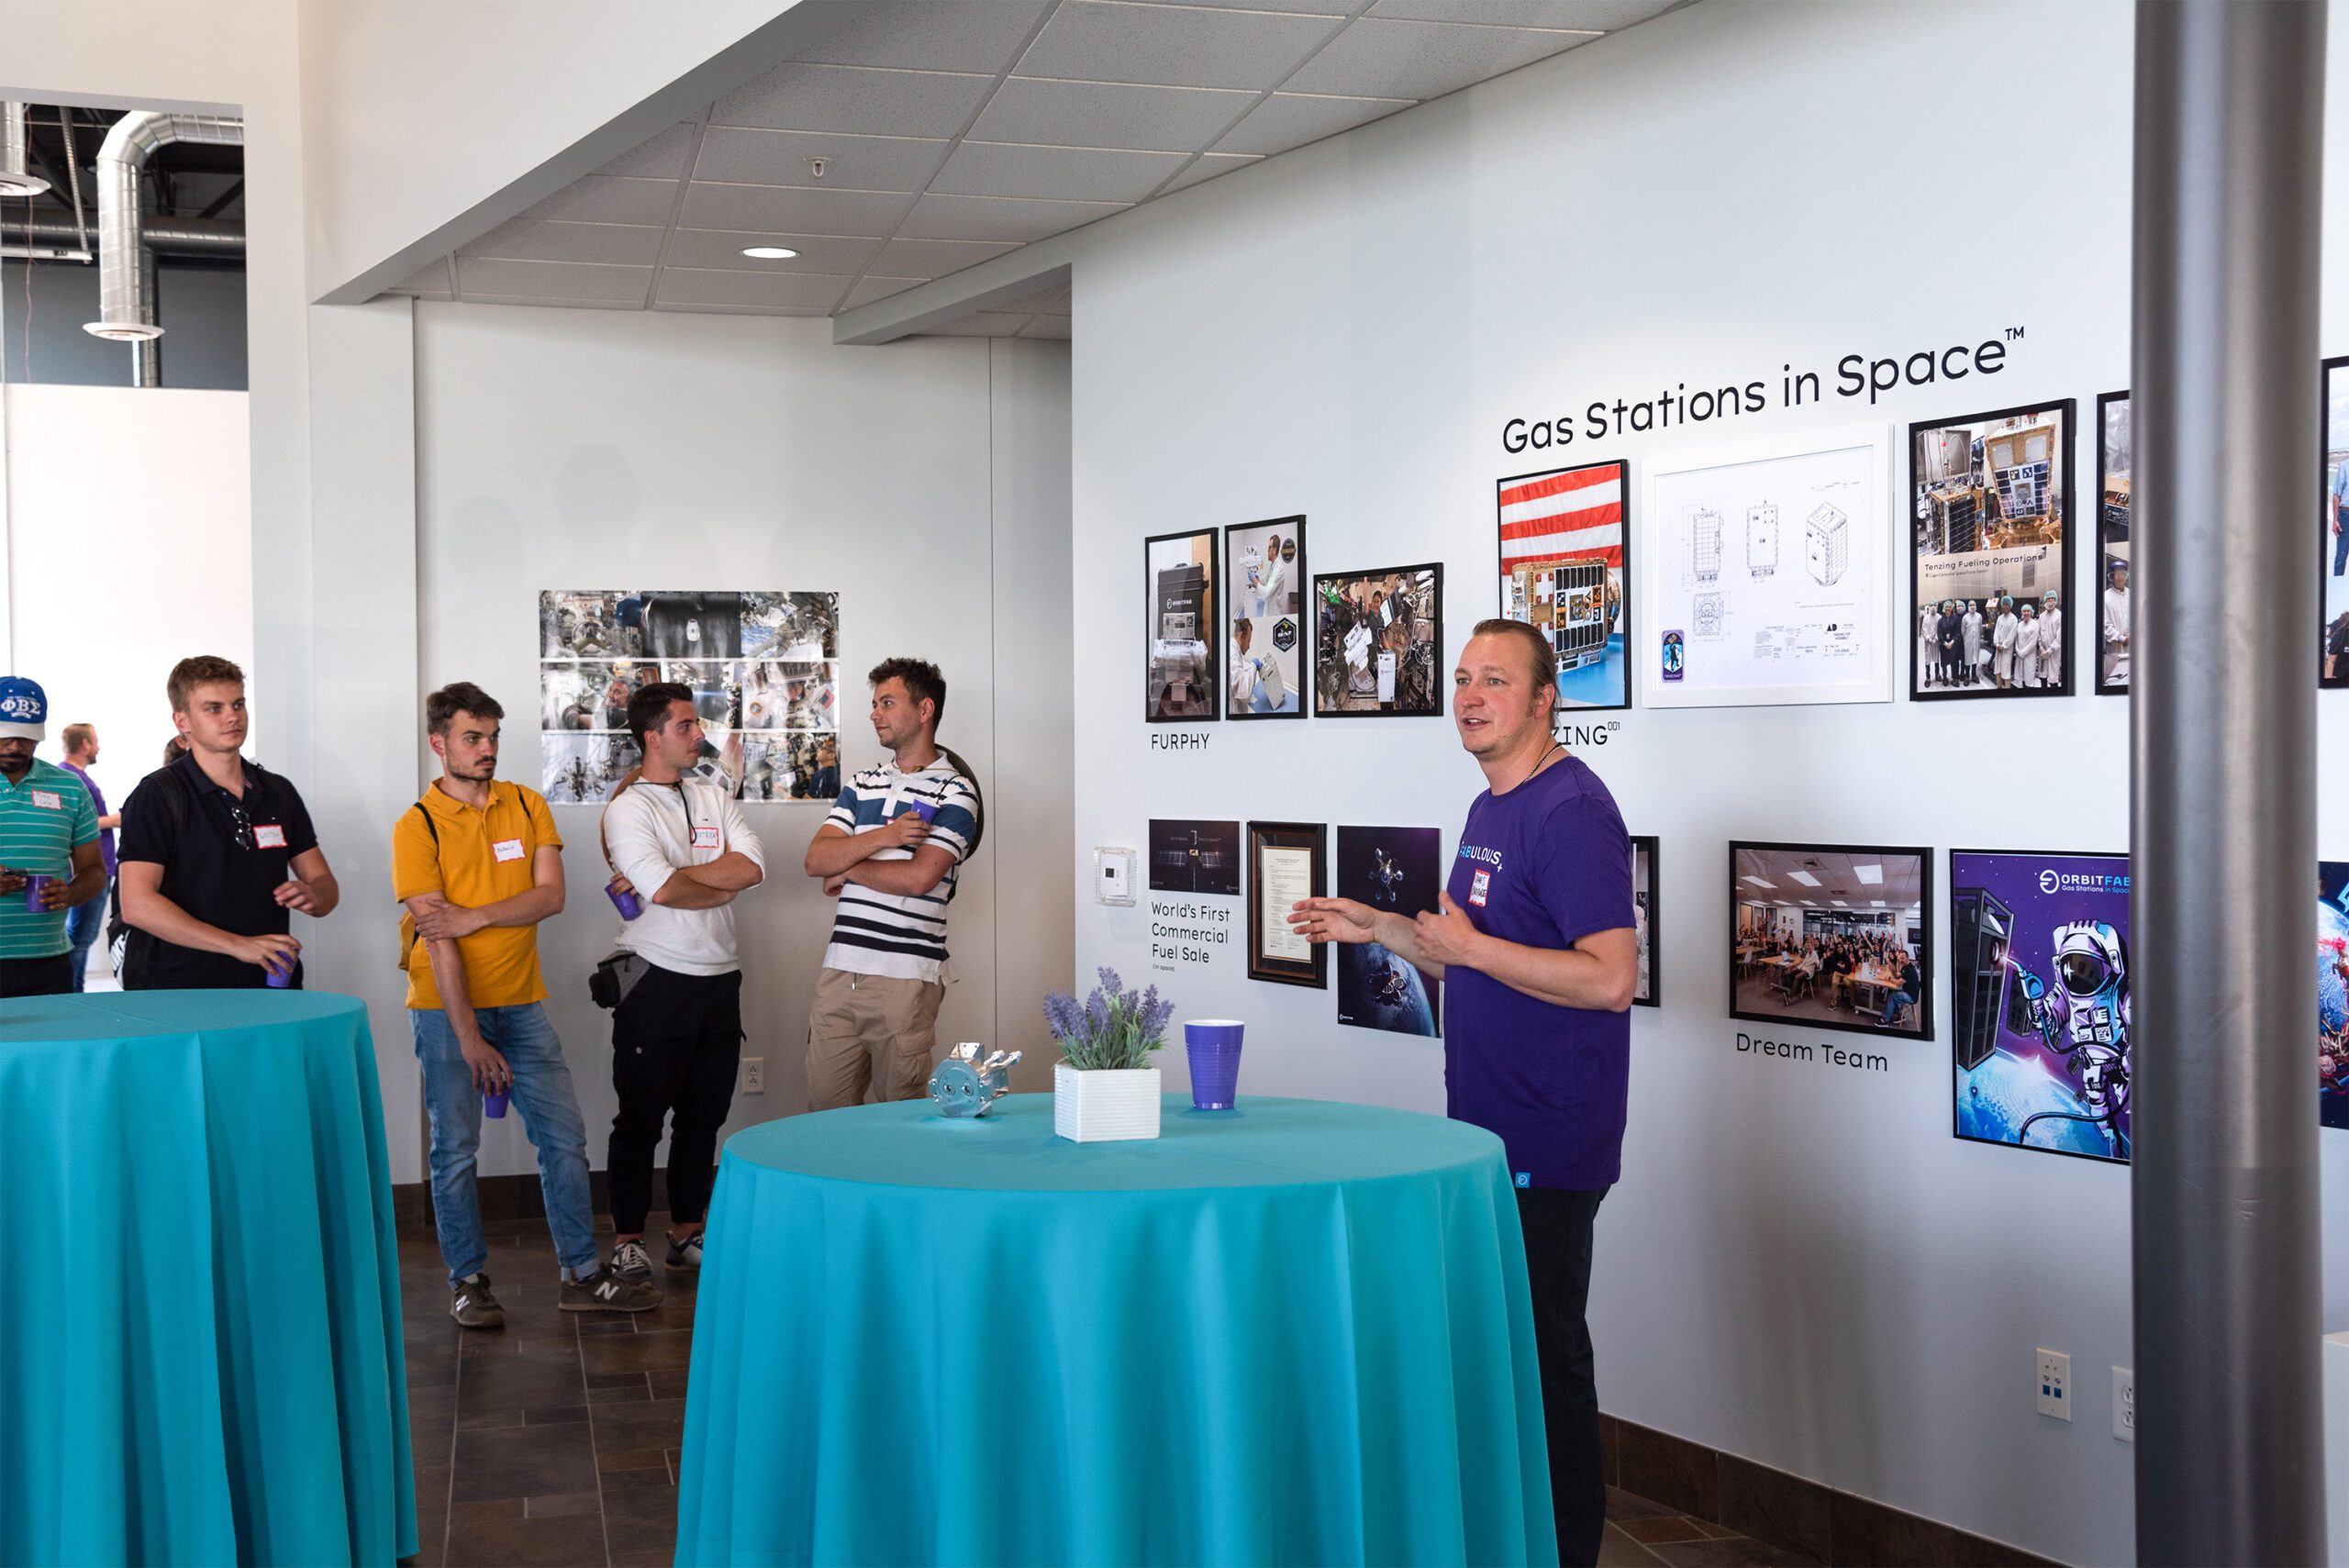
[23,709]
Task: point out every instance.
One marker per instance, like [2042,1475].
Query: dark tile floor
[554,1441]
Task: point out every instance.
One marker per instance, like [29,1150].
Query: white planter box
[1093,1107]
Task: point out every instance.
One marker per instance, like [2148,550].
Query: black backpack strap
[979,817]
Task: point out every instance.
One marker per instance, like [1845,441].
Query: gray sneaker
[685,1254]
[473,1306]
[630,1260]
[605,1291]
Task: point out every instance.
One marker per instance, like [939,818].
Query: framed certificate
[1284,864]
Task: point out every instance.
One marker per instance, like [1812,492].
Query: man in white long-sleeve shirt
[2116,624]
[677,1034]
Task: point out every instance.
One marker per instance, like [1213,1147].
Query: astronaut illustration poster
[1991,534]
[1268,644]
[2332,993]
[1767,579]
[1564,561]
[762,670]
[2040,979]
[1395,870]
[1179,682]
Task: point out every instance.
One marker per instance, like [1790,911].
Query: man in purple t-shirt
[1536,944]
[85,920]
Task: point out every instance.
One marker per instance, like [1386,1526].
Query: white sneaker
[630,1261]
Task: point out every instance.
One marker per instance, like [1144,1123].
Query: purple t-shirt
[1544,865]
[98,799]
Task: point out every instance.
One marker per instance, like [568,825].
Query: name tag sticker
[507,848]
[1479,887]
[705,838]
[48,800]
[268,836]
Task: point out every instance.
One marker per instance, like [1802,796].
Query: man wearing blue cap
[48,850]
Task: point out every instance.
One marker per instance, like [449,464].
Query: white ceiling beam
[926,305]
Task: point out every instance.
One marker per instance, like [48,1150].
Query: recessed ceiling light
[1804,877]
[1758,882]
[768,253]
[1871,874]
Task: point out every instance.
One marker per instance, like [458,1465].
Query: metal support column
[2230,101]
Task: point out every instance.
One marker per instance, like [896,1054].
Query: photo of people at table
[1991,551]
[1833,935]
[2114,543]
[2332,525]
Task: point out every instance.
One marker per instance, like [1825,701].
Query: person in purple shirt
[1536,944]
[84,921]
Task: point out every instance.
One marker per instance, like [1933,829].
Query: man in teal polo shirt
[49,830]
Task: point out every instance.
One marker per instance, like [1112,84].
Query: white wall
[1800,1265]
[925,483]
[129,519]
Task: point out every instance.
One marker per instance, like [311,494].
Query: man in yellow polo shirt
[479,864]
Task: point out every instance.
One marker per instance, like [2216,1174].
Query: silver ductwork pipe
[18,180]
[126,305]
[164,236]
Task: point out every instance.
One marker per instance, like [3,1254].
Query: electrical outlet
[754,1074]
[2055,1384]
[2124,1404]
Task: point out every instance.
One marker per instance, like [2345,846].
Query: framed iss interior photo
[1990,554]
[1565,570]
[2114,518]
[1378,639]
[1286,863]
[1836,936]
[1180,683]
[1767,577]
[1269,656]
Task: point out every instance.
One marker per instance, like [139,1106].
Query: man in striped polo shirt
[48,829]
[889,849]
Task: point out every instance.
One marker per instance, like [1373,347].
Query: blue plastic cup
[925,809]
[279,979]
[492,1105]
[1213,1045]
[623,900]
[35,886]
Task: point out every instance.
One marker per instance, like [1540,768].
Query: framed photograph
[2332,515]
[2332,993]
[2112,543]
[1832,936]
[1565,570]
[1767,579]
[1181,684]
[1378,643]
[1284,864]
[1398,871]
[1268,656]
[1643,912]
[1188,856]
[1990,554]
[2039,994]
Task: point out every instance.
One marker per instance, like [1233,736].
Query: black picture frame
[2067,411]
[2325,544]
[2108,515]
[1646,842]
[1434,708]
[1957,1044]
[1926,915]
[1314,838]
[1235,596]
[1625,598]
[1153,614]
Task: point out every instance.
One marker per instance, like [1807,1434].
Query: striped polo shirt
[881,933]
[44,817]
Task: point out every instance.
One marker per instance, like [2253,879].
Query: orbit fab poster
[1395,870]
[2040,986]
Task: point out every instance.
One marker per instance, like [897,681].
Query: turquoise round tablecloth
[200,1351]
[1294,1333]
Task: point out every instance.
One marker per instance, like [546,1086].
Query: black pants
[1557,1261]
[676,1044]
[36,976]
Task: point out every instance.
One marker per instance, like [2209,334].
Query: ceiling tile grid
[948,134]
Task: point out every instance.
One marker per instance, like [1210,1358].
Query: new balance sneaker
[685,1254]
[630,1261]
[605,1291]
[473,1306]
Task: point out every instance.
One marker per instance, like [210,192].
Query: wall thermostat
[1113,876]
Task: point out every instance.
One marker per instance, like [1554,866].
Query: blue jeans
[543,1092]
[83,924]
[1894,1003]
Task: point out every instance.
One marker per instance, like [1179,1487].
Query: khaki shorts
[869,1032]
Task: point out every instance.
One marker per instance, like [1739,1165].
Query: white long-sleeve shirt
[652,831]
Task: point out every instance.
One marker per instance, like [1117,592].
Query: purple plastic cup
[492,1105]
[279,979]
[1213,1045]
[925,809]
[626,902]
[35,886]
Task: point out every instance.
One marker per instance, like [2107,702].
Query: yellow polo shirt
[481,857]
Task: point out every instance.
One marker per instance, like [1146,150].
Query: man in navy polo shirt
[1536,944]
[49,829]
